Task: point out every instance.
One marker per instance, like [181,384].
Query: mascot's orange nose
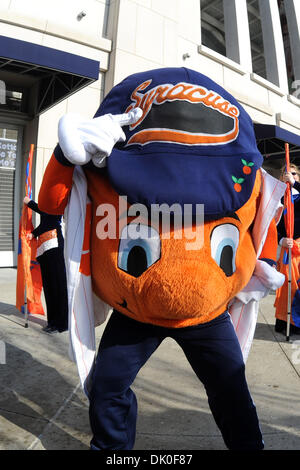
[184,291]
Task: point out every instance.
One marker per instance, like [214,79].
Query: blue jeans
[214,353]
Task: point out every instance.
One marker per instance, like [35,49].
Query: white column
[292,10]
[273,44]
[237,34]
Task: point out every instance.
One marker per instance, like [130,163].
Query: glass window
[257,47]
[212,25]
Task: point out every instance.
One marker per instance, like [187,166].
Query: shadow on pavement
[10,312]
[30,395]
[267,332]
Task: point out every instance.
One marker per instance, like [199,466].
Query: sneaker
[294,330]
[49,329]
[61,330]
[280,326]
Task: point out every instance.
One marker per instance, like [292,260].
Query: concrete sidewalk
[43,407]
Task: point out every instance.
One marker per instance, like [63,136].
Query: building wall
[153,33]
[148,34]
[54,24]
[129,36]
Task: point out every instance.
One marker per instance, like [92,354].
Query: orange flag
[28,272]
[288,201]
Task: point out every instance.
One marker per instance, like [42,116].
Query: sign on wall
[8,153]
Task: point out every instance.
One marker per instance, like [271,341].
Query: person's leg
[215,355]
[124,348]
[55,288]
[60,310]
[46,273]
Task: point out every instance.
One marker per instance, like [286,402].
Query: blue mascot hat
[194,143]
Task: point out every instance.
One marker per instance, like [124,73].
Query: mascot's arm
[56,185]
[269,251]
[265,278]
[80,142]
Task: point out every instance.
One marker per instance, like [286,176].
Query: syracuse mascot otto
[166,138]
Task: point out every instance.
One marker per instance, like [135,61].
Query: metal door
[10,166]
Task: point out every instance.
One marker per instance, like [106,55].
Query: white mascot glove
[264,279]
[82,141]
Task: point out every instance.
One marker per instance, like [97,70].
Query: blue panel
[267,131]
[47,57]
[287,136]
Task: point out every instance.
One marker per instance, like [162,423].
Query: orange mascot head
[172,212]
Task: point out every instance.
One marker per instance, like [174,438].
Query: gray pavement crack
[279,343]
[25,415]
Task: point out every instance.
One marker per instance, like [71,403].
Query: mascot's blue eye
[224,242]
[139,249]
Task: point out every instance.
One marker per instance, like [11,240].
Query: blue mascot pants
[214,353]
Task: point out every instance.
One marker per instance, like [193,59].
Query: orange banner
[28,272]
